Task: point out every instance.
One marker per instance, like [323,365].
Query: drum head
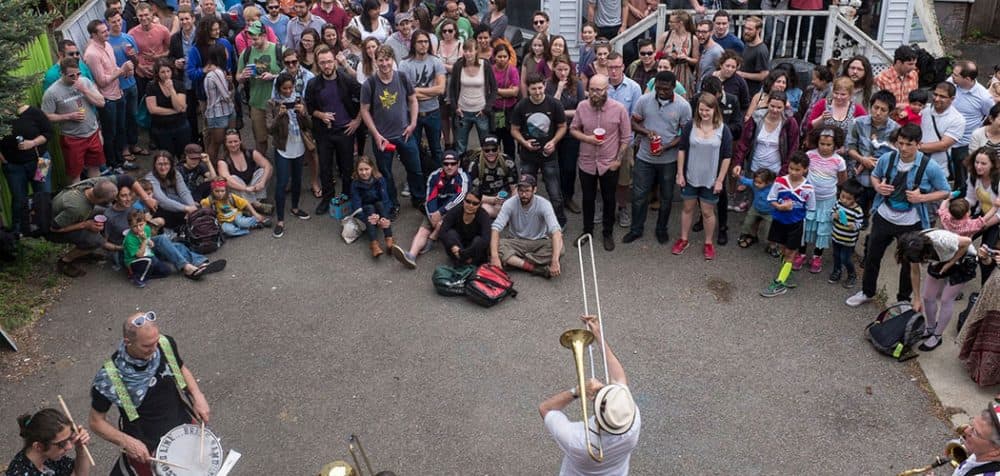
[180,447]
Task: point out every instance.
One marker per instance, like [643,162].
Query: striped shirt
[847,223]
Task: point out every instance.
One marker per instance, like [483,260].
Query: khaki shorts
[258,120]
[537,252]
[625,171]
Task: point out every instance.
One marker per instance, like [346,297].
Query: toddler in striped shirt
[848,219]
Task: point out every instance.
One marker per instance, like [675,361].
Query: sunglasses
[291,62]
[448,30]
[450,164]
[539,22]
[67,443]
[490,150]
[75,54]
[273,7]
[645,53]
[470,202]
[149,316]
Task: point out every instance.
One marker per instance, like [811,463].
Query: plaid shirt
[965,226]
[897,85]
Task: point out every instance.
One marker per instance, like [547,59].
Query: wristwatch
[572,392]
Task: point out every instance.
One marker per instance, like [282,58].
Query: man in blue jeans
[426,73]
[660,115]
[538,124]
[123,44]
[389,108]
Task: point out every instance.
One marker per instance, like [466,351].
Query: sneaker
[393,213]
[776,288]
[300,213]
[679,246]
[858,299]
[428,247]
[279,231]
[709,252]
[137,282]
[542,271]
[798,261]
[323,207]
[723,237]
[774,251]
[625,217]
[816,265]
[662,238]
[406,190]
[834,277]
[630,237]
[572,207]
[609,243]
[852,279]
[130,165]
[404,257]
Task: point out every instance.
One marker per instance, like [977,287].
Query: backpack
[450,281]
[896,330]
[40,214]
[931,70]
[897,201]
[203,232]
[489,285]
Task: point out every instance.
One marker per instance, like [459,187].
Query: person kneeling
[531,218]
[368,193]
[446,188]
[143,253]
[465,232]
[236,215]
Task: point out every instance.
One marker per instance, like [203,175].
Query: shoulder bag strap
[168,352]
[124,400]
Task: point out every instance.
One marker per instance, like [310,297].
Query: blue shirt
[760,202]
[974,104]
[730,42]
[280,26]
[627,92]
[119,43]
[934,180]
[869,141]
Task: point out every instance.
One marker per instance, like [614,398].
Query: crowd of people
[335,92]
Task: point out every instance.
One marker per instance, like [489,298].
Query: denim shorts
[218,122]
[699,193]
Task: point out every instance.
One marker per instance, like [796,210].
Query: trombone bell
[338,468]
[575,340]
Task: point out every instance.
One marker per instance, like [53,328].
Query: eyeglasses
[273,7]
[448,30]
[450,164]
[291,62]
[703,32]
[646,53]
[490,150]
[66,443]
[75,54]
[470,202]
[149,316]
[539,22]
[598,90]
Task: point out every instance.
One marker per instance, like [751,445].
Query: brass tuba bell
[954,452]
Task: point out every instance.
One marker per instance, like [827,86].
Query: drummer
[48,438]
[145,378]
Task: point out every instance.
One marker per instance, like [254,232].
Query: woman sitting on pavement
[446,188]
[117,222]
[246,171]
[494,174]
[368,192]
[169,189]
[465,232]
[143,254]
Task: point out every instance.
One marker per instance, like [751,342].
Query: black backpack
[931,70]
[203,232]
[896,330]
[449,281]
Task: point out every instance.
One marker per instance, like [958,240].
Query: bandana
[138,376]
[218,184]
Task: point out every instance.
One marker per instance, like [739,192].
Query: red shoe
[679,246]
[709,251]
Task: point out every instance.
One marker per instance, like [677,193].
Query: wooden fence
[985,18]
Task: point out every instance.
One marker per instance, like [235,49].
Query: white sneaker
[858,299]
[406,190]
[625,216]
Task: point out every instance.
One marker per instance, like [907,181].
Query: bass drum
[180,448]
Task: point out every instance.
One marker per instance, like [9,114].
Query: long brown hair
[710,101]
[571,80]
[364,159]
[994,157]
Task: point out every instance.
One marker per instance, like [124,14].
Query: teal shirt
[53,74]
[678,87]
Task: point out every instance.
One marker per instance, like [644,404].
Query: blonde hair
[251,11]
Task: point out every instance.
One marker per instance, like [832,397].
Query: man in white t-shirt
[615,413]
[942,127]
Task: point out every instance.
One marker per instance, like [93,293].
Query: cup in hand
[599,133]
[389,147]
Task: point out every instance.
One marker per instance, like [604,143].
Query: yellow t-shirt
[985,199]
[226,210]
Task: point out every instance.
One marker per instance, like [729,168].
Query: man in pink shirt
[100,58]
[605,133]
[331,12]
[154,42]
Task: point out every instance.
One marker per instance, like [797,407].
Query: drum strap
[124,399]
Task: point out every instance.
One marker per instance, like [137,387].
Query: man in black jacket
[333,100]
[180,43]
[731,116]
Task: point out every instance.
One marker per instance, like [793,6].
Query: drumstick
[161,461]
[201,444]
[86,451]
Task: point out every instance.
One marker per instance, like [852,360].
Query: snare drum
[180,446]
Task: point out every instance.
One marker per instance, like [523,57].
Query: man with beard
[538,124]
[302,20]
[600,159]
[536,242]
[427,74]
[756,56]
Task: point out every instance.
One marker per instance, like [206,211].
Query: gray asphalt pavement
[304,340]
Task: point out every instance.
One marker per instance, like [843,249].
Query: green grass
[30,283]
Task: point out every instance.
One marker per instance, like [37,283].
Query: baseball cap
[527,180]
[255,28]
[192,151]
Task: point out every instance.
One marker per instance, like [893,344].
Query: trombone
[955,453]
[577,339]
[343,468]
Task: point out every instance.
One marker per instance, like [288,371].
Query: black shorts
[787,235]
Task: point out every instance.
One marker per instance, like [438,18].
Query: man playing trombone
[615,413]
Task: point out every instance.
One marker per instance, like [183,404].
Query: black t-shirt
[22,466]
[160,411]
[480,225]
[170,120]
[755,60]
[193,177]
[29,124]
[538,121]
[491,181]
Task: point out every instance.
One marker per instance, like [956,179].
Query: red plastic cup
[389,147]
[655,144]
[599,133]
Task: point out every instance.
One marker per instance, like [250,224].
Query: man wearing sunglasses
[71,102]
[446,189]
[65,49]
[153,389]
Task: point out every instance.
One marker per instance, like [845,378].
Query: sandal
[196,274]
[746,241]
[317,192]
[128,157]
